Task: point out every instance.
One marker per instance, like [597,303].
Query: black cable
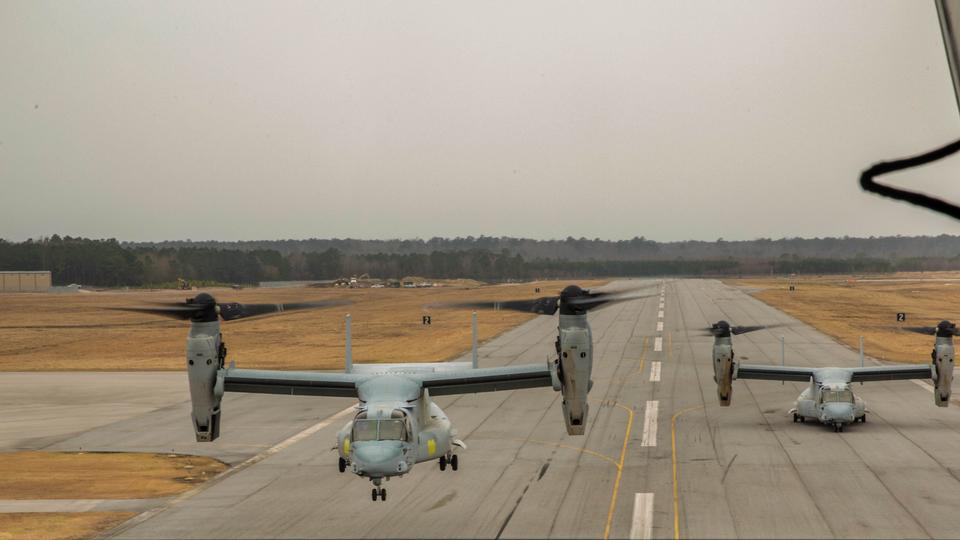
[868,183]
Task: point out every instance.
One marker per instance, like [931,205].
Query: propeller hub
[946,329]
[721,329]
[207,308]
[567,306]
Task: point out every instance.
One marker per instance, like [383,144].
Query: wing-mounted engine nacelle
[723,369]
[574,367]
[205,356]
[942,369]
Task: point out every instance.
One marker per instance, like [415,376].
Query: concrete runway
[743,471]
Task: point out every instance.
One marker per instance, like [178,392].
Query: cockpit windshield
[836,396]
[394,429]
[364,430]
[391,430]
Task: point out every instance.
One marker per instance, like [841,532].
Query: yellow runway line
[643,357]
[616,485]
[673,447]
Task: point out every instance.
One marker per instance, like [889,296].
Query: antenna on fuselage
[348,357]
[474,352]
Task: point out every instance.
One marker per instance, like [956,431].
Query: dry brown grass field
[84,475]
[58,526]
[96,475]
[76,332]
[846,307]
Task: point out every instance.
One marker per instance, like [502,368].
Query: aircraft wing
[854,374]
[469,381]
[773,373]
[294,383]
[891,373]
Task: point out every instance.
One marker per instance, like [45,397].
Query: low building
[25,281]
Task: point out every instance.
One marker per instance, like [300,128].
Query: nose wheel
[342,464]
[381,493]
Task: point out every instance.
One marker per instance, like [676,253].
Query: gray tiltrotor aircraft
[397,425]
[829,397]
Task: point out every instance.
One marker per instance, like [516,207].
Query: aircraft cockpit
[395,428]
[844,395]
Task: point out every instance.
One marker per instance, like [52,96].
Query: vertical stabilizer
[348,354]
[474,354]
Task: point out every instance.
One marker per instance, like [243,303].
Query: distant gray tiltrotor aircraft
[829,397]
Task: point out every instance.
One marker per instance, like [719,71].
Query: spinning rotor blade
[927,330]
[723,328]
[176,311]
[204,308]
[573,299]
[943,329]
[737,330]
[232,311]
[590,300]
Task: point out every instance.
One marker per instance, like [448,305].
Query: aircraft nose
[837,412]
[378,458]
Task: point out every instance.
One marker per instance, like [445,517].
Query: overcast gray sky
[670,120]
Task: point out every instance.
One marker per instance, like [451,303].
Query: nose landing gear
[382,493]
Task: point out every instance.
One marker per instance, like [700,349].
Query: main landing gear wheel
[838,428]
[374,493]
[863,419]
[796,418]
[342,464]
[383,494]
[443,463]
[454,462]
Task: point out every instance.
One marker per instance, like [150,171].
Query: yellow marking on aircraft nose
[431,447]
[346,447]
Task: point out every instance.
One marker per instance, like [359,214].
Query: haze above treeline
[110,263]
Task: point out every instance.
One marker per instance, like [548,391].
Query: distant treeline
[110,263]
[634,249]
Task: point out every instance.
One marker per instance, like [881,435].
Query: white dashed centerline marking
[642,527]
[658,344]
[650,424]
[659,326]
[655,372]
[660,314]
